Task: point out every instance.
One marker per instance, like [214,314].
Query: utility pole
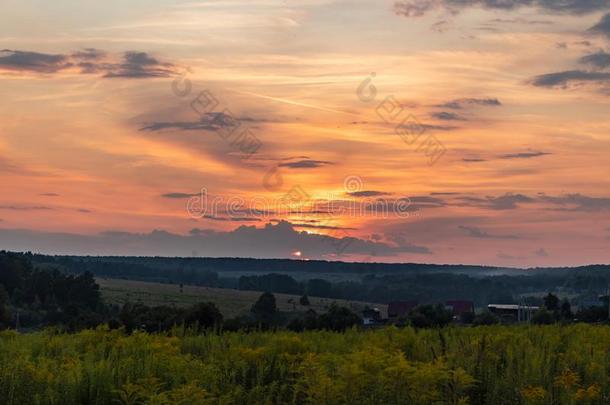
[608,294]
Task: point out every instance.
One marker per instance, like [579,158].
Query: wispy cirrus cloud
[507,201]
[322,227]
[530,154]
[231,218]
[179,195]
[25,207]
[368,193]
[524,155]
[474,232]
[460,103]
[577,202]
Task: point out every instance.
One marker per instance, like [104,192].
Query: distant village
[463,311]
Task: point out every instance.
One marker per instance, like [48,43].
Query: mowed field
[230,302]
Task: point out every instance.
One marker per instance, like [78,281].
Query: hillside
[230,302]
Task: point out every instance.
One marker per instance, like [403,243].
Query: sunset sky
[115,115]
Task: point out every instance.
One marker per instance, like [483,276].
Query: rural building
[400,309]
[459,307]
[514,313]
[371,316]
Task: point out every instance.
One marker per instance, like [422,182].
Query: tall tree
[265,310]
[5,314]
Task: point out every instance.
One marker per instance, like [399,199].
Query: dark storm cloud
[466,102]
[418,8]
[211,121]
[597,62]
[140,65]
[32,61]
[563,79]
[602,27]
[447,116]
[305,164]
[182,126]
[600,60]
[133,64]
[270,241]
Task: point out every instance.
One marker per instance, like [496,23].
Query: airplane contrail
[282,100]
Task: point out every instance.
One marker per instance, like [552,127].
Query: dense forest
[370,282]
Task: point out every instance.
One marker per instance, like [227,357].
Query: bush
[338,319]
[543,317]
[265,310]
[429,316]
[204,315]
[485,318]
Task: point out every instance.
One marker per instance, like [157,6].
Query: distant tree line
[33,297]
[428,288]
[227,265]
[372,282]
[35,294]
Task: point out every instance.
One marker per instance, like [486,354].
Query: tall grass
[485,365]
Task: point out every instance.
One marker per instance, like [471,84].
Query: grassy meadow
[230,302]
[456,365]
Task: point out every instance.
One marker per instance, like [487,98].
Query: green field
[456,365]
[230,302]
